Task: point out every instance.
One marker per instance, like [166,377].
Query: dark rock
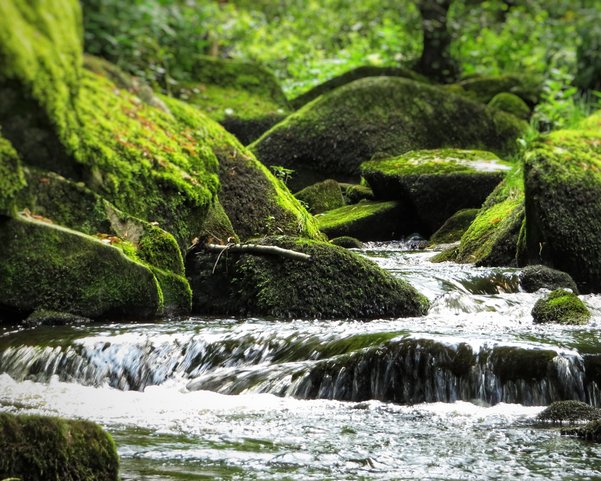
[347,242]
[454,227]
[533,278]
[569,412]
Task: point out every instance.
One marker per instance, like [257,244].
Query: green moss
[332,135]
[255,201]
[561,307]
[354,193]
[511,104]
[483,89]
[322,196]
[436,183]
[347,242]
[49,267]
[351,76]
[11,176]
[366,221]
[563,203]
[533,278]
[514,363]
[37,448]
[590,432]
[569,411]
[218,227]
[335,283]
[454,227]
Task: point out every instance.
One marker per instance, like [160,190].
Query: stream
[452,395]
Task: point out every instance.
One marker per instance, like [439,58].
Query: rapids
[452,395]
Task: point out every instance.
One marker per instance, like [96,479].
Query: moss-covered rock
[366,221]
[485,88]
[492,238]
[217,228]
[334,283]
[561,307]
[11,176]
[242,96]
[332,135]
[512,104]
[589,432]
[569,412]
[563,203]
[44,266]
[37,448]
[533,278]
[354,193]
[347,242]
[322,196]
[454,227]
[436,183]
[44,317]
[351,76]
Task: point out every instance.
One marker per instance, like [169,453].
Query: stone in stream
[569,412]
[561,307]
[436,183]
[331,136]
[533,278]
[40,448]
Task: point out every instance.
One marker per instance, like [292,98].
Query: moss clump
[49,267]
[218,228]
[354,193]
[44,317]
[347,242]
[590,432]
[332,135]
[436,183]
[563,203]
[533,278]
[334,283]
[351,76]
[514,363]
[454,227]
[492,238]
[322,196]
[367,221]
[561,307]
[11,176]
[38,448]
[483,89]
[512,104]
[255,201]
[569,412]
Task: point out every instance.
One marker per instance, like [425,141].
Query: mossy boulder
[354,193]
[44,317]
[589,432]
[347,242]
[563,203]
[217,228]
[334,283]
[322,196]
[244,97]
[351,76]
[492,238]
[533,278]
[560,307]
[366,221]
[38,448]
[569,412]
[44,266]
[512,104]
[485,88]
[454,227]
[436,183]
[11,176]
[332,135]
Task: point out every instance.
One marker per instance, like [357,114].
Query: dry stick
[258,249]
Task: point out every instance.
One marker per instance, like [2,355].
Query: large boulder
[563,203]
[436,183]
[535,277]
[11,176]
[388,116]
[39,448]
[560,307]
[333,283]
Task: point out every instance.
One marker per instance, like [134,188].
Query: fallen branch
[259,249]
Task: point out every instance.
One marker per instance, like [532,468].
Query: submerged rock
[39,448]
[563,203]
[436,183]
[367,221]
[322,196]
[454,227]
[533,278]
[331,136]
[334,283]
[569,412]
[561,307]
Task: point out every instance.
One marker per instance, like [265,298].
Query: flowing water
[453,395]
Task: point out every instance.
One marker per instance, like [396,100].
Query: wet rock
[590,432]
[569,412]
[331,136]
[561,307]
[347,242]
[43,317]
[533,278]
[40,448]
[454,227]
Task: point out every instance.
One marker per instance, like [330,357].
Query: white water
[166,431]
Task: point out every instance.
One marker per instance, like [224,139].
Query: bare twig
[259,250]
